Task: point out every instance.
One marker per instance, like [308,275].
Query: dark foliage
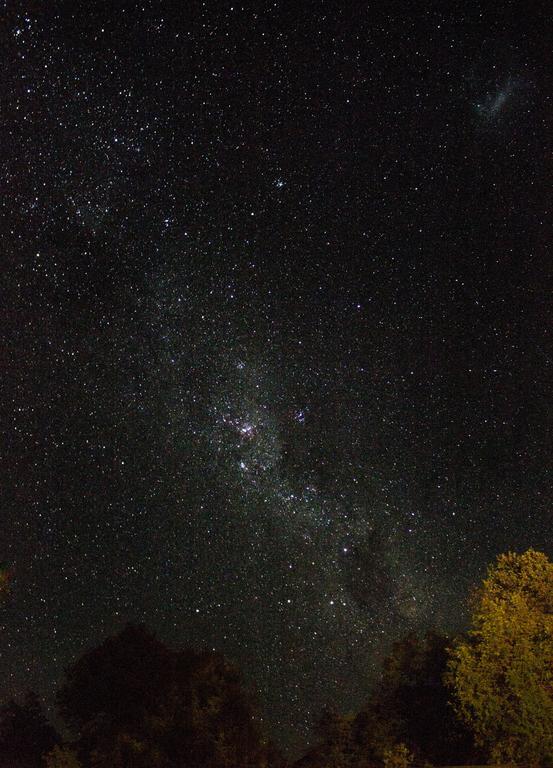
[132,703]
[414,700]
[25,734]
[349,741]
[409,706]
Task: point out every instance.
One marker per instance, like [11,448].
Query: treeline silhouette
[133,702]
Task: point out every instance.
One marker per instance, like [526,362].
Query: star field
[275,360]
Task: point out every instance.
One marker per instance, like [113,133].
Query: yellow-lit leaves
[502,673]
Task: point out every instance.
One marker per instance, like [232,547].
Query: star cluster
[275,331]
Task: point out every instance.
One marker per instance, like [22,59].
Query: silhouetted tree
[349,741]
[372,736]
[25,734]
[413,699]
[133,702]
[407,713]
[334,741]
[114,687]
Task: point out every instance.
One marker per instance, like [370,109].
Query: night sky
[275,345]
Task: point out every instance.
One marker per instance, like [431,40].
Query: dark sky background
[275,329]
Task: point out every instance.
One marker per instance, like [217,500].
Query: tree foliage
[25,734]
[502,673]
[413,699]
[5,576]
[407,716]
[61,757]
[398,757]
[359,740]
[134,702]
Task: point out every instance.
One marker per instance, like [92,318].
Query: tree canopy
[502,672]
[413,698]
[132,701]
[25,734]
[407,716]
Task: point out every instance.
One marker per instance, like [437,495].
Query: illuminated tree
[398,757]
[502,673]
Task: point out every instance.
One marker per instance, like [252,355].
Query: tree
[134,703]
[25,734]
[112,687]
[398,757]
[350,741]
[407,712]
[5,576]
[336,731]
[61,757]
[334,749]
[502,673]
[413,700]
